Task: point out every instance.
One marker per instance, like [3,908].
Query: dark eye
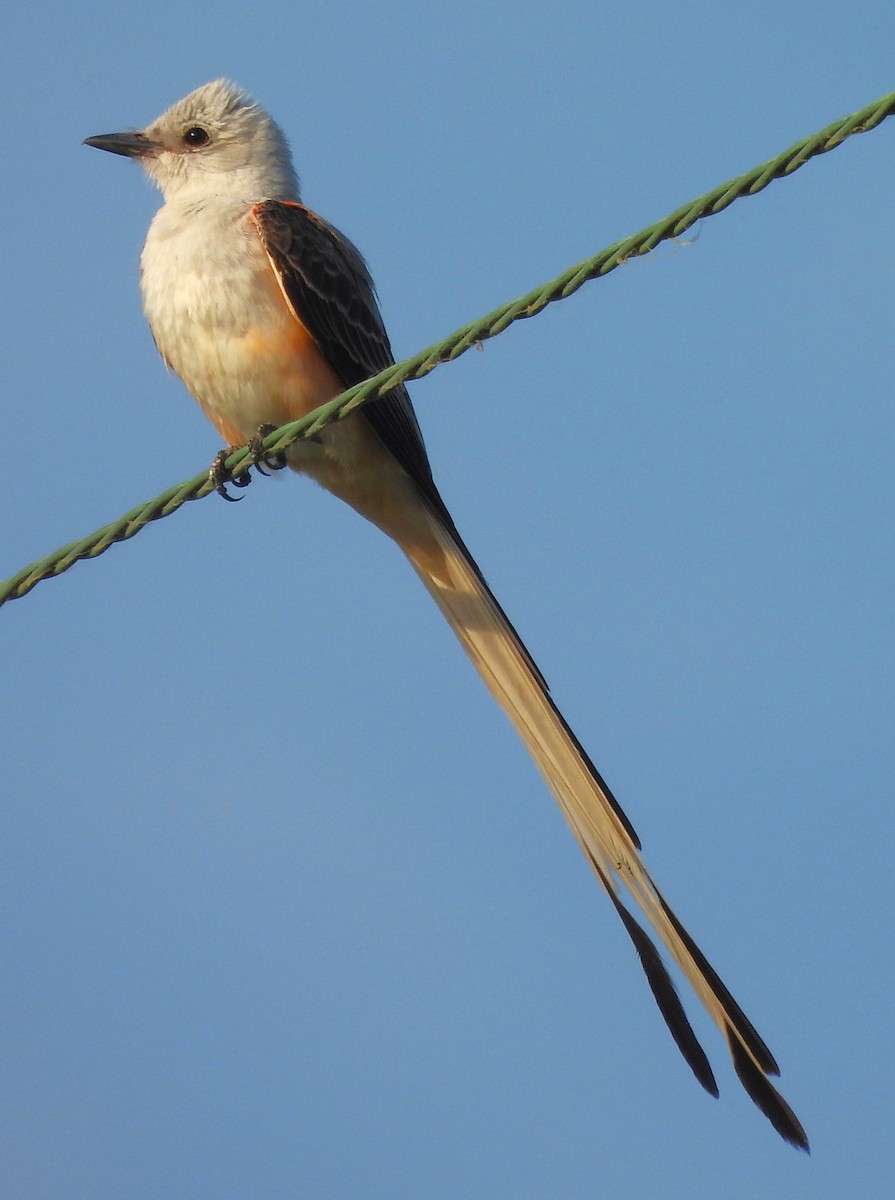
[195,136]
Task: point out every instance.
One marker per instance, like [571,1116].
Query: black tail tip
[766,1096]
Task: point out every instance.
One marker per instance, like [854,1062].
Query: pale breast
[221,322]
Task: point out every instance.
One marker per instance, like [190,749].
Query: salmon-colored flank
[232,435]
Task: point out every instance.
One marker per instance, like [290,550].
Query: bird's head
[216,140]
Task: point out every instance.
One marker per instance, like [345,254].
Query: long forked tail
[598,823]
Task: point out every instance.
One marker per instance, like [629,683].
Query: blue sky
[287,910]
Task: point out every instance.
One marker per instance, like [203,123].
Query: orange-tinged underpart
[282,371]
[284,376]
[232,434]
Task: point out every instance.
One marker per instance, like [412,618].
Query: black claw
[220,476]
[268,463]
[265,462]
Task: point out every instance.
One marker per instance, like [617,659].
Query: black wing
[329,287]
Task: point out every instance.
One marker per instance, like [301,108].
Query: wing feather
[327,283]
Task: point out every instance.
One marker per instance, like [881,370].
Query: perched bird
[265,311]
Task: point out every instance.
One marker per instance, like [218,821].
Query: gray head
[214,141]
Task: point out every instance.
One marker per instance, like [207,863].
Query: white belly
[221,322]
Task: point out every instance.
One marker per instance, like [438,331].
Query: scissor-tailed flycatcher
[265,312]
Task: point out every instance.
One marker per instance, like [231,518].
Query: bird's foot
[262,459]
[219,476]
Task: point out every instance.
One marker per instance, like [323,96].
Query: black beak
[131,145]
